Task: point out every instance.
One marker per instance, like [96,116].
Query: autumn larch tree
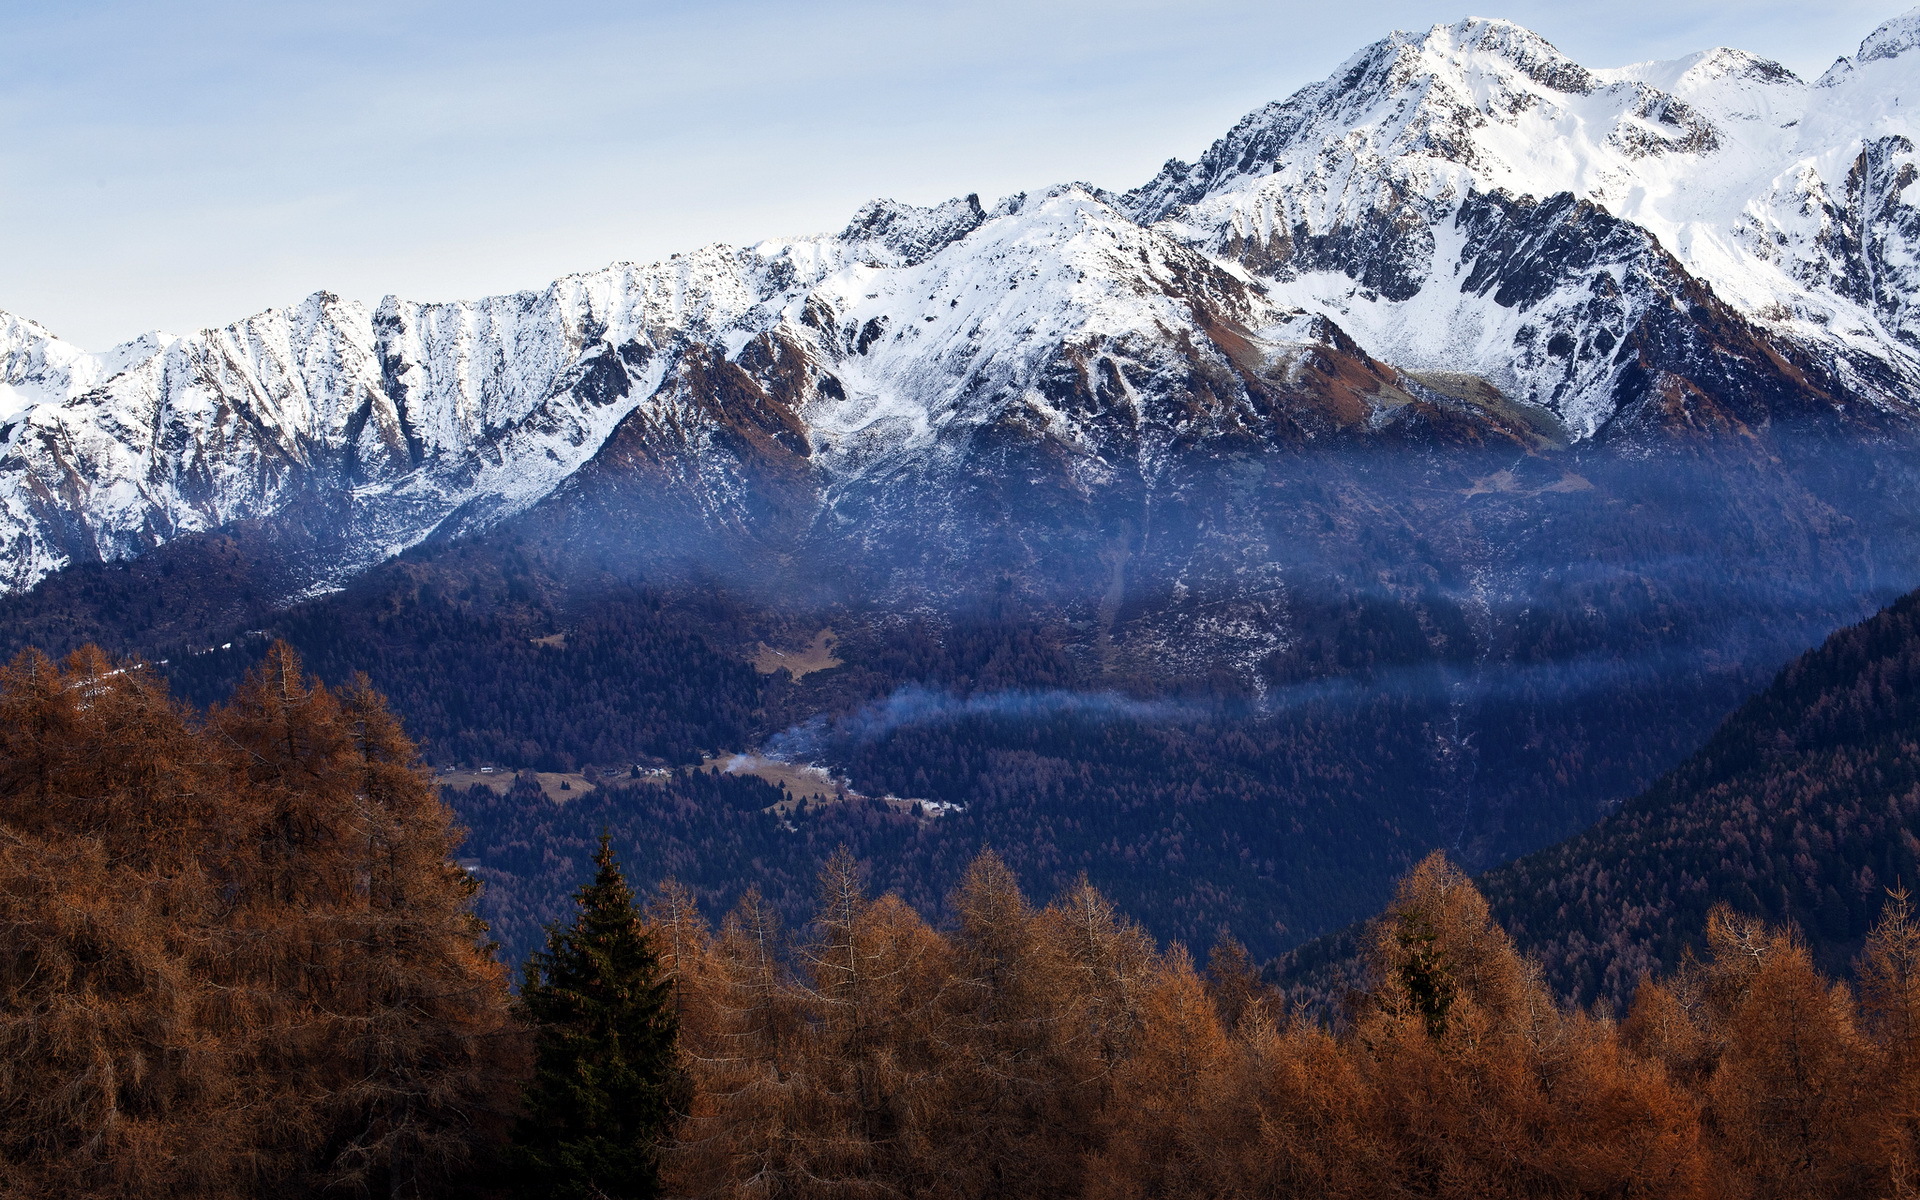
[235,960]
[110,1081]
[380,1037]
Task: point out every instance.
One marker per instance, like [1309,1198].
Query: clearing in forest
[559,787]
[818,656]
[802,782]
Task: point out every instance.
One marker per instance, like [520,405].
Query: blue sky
[177,165]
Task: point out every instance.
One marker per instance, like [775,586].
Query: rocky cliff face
[1462,239]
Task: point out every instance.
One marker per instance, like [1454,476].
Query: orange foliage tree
[235,959]
[1057,1051]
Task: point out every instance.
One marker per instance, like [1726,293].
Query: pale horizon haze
[182,165]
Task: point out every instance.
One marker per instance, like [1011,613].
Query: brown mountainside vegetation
[1057,1051]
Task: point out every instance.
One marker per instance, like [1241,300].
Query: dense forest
[1196,815]
[1276,796]
[1197,802]
[1233,840]
[237,959]
[1802,808]
[1060,1051]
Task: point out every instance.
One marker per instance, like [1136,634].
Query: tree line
[237,960]
[1059,1051]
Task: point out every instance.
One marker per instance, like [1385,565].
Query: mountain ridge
[1389,191]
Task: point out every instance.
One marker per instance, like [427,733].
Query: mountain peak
[912,234]
[35,365]
[1429,95]
[1892,39]
[1514,44]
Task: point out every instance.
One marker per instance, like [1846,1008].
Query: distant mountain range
[1462,227]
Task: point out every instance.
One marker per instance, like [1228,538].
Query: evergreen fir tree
[607,1087]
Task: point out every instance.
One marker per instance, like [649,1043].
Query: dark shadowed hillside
[1803,807]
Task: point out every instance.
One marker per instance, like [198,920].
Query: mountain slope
[1804,806]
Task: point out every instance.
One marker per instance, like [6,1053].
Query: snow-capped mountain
[1364,197]
[1461,236]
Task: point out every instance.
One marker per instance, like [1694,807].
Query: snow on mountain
[409,413]
[1892,39]
[445,417]
[1791,201]
[960,338]
[40,368]
[1467,201]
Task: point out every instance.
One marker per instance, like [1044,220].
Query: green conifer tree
[607,1087]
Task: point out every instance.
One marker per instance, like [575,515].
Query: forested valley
[1280,801]
[240,960]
